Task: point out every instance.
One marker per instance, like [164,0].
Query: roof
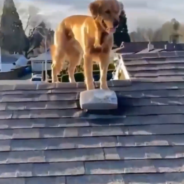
[139,46]
[42,56]
[155,67]
[167,61]
[46,138]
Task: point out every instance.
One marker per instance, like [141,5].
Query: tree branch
[27,24]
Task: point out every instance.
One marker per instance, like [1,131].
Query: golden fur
[90,37]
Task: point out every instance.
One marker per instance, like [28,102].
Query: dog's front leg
[104,64]
[88,72]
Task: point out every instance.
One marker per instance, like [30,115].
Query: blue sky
[140,13]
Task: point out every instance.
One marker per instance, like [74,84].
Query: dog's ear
[94,8]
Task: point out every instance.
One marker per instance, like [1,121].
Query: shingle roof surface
[46,139]
[155,67]
[155,63]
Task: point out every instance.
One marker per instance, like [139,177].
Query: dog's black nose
[116,23]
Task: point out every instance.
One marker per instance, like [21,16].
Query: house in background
[38,65]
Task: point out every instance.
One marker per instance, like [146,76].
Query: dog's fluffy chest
[104,36]
[104,45]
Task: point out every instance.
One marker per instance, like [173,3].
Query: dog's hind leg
[58,52]
[57,62]
[74,56]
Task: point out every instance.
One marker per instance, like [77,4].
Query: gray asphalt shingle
[155,66]
[46,138]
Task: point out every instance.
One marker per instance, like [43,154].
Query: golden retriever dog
[87,37]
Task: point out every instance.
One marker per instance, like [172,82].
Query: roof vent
[169,47]
[150,46]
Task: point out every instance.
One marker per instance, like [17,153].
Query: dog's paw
[90,87]
[104,87]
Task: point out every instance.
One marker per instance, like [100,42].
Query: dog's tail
[58,51]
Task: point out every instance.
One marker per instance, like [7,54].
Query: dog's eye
[107,11]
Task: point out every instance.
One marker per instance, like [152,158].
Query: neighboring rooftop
[164,60]
[46,138]
[155,67]
[136,47]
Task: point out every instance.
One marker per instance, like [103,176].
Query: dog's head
[107,12]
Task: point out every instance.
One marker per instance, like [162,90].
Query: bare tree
[148,35]
[31,15]
[1,12]
[157,35]
[182,33]
[169,31]
[133,36]
[175,36]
